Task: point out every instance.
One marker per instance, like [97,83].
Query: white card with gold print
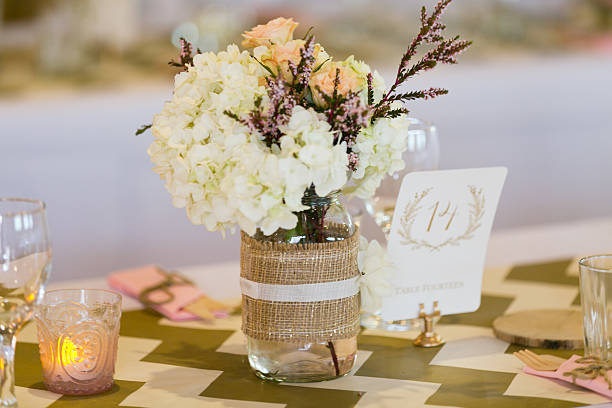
[438,240]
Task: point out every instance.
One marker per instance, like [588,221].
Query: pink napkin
[599,384]
[133,281]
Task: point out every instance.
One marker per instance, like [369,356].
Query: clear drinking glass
[355,209]
[422,153]
[596,299]
[78,331]
[25,263]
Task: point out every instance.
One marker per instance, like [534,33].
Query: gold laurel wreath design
[413,207]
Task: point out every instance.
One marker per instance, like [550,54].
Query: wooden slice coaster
[551,329]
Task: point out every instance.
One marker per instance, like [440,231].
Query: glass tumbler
[78,331]
[596,299]
[422,153]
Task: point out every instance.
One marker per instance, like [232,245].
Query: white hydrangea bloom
[375,268]
[380,147]
[211,163]
[308,136]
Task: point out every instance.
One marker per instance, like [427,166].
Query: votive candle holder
[78,330]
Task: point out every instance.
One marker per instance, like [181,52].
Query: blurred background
[77,77]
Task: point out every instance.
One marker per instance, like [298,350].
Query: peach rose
[324,80]
[277,57]
[281,54]
[277,31]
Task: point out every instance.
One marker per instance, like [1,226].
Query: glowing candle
[69,352]
[78,332]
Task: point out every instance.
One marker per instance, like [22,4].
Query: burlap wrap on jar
[302,293]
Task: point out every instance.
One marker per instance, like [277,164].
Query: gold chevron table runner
[167,364]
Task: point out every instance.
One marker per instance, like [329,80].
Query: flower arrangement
[247,133]
[264,139]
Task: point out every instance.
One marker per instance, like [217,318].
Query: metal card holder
[428,337]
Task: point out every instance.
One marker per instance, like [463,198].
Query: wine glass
[422,153]
[25,262]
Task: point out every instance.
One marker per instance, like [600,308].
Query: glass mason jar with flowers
[306,329]
[266,140]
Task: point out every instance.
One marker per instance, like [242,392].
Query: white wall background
[549,120]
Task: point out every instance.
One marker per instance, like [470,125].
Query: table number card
[438,240]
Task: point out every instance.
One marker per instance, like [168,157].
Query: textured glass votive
[78,331]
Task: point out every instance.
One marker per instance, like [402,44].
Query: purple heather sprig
[346,116]
[349,117]
[266,123]
[283,96]
[303,71]
[445,52]
[185,61]
[353,160]
[186,55]
[345,113]
[370,79]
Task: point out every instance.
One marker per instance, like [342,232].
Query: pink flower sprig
[345,113]
[284,96]
[185,56]
[445,51]
[353,161]
[346,116]
[267,122]
[185,61]
[303,71]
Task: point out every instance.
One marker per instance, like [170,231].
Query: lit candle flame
[69,353]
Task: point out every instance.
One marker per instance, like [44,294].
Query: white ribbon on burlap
[312,292]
